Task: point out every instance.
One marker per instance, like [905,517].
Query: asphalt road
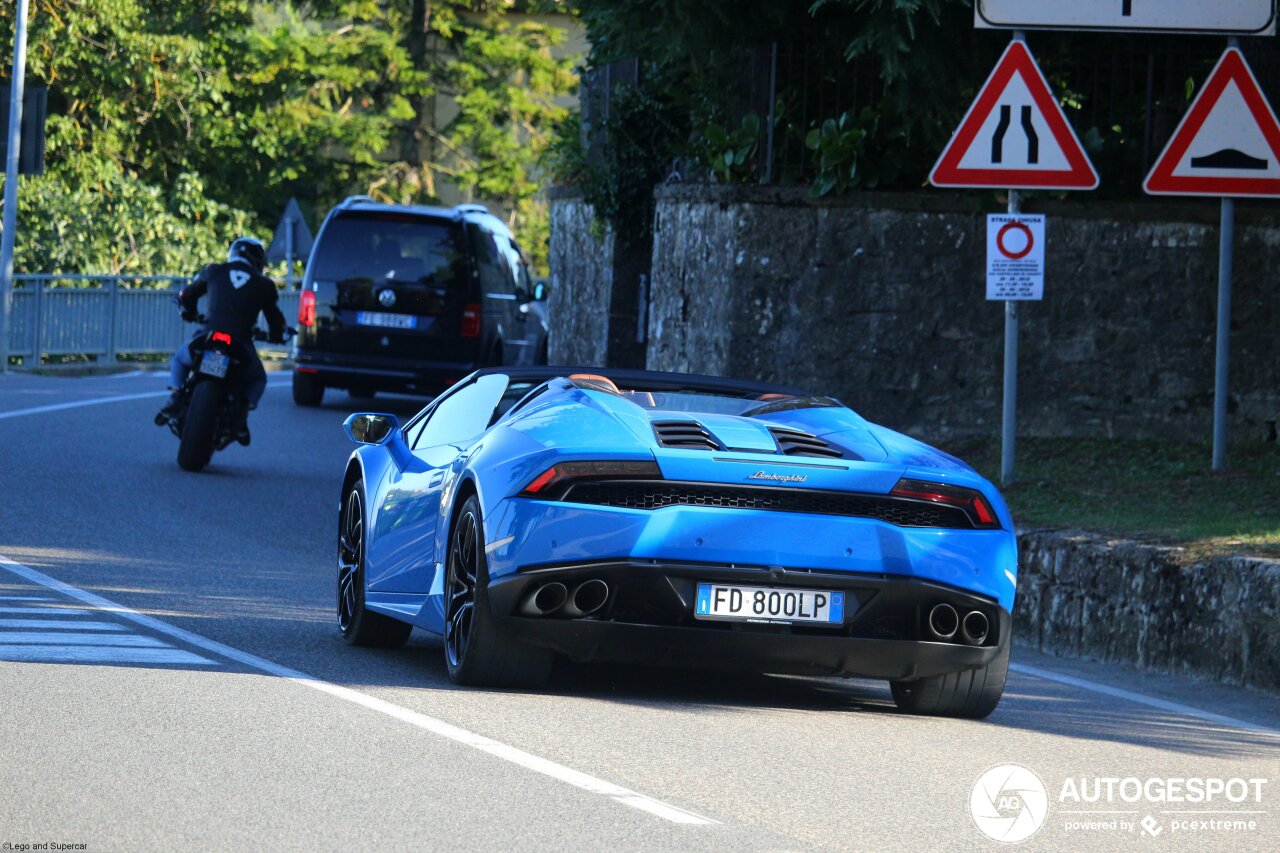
[171,678]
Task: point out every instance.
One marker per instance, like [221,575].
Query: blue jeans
[254,376]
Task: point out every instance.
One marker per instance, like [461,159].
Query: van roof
[470,212]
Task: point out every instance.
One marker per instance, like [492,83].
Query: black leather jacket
[236,294]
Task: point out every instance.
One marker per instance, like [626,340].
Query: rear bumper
[374,373]
[648,618]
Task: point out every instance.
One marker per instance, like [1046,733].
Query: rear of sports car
[797,539]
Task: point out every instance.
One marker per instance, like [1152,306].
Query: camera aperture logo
[1009,803]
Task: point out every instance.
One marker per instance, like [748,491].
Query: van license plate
[386,321]
[214,363]
[769,606]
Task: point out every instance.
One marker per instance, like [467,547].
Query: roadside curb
[1085,595]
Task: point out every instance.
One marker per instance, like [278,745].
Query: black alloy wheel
[359,626]
[475,650]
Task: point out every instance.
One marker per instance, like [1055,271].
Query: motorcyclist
[237,291]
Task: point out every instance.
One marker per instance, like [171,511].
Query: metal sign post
[292,239]
[10,224]
[1226,244]
[1009,412]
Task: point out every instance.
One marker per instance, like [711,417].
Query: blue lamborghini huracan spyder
[530,512]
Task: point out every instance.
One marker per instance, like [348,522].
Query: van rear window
[390,247]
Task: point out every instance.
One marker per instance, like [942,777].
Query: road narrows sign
[1015,256]
[1228,143]
[1015,135]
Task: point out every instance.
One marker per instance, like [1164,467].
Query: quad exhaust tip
[545,600]
[974,628]
[555,599]
[944,621]
[588,597]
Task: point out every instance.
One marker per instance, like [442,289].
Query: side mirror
[540,292]
[371,427]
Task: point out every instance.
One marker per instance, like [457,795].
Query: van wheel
[308,390]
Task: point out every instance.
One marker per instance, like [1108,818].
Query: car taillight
[307,308]
[222,337]
[471,320]
[556,478]
[969,500]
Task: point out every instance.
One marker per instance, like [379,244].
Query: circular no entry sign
[1017,244]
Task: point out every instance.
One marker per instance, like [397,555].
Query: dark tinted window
[390,247]
[463,414]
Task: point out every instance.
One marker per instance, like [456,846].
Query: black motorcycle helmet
[248,250]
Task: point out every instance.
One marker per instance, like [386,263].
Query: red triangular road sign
[1015,135]
[1228,143]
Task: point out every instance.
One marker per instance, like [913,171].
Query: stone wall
[596,280]
[1082,595]
[581,284]
[880,300]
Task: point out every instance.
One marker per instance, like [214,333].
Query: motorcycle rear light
[562,473]
[307,308]
[471,320]
[970,500]
[222,337]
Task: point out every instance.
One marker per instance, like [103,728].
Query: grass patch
[1153,491]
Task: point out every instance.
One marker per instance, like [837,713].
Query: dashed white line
[61,624]
[1140,698]
[28,638]
[47,611]
[506,752]
[101,654]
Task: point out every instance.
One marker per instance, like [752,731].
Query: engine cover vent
[796,442]
[685,435]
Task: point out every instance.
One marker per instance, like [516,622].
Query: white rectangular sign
[1240,17]
[1015,256]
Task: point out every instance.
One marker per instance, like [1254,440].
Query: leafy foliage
[172,129]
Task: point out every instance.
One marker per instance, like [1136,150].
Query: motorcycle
[211,403]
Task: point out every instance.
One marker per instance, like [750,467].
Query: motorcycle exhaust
[944,621]
[974,628]
[545,600]
[588,597]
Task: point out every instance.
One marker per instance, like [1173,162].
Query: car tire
[475,651]
[308,390]
[973,693]
[360,626]
[195,445]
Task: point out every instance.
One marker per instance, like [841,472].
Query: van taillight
[307,308]
[471,320]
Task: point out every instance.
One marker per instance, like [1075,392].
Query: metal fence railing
[102,318]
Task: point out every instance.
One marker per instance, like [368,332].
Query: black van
[400,298]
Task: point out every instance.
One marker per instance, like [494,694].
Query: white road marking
[1141,699]
[517,756]
[24,598]
[47,611]
[68,625]
[99,654]
[44,638]
[98,401]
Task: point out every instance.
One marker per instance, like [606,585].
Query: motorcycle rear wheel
[195,448]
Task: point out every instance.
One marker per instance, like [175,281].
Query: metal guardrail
[102,317]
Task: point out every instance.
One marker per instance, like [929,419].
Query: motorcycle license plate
[214,363]
[768,606]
